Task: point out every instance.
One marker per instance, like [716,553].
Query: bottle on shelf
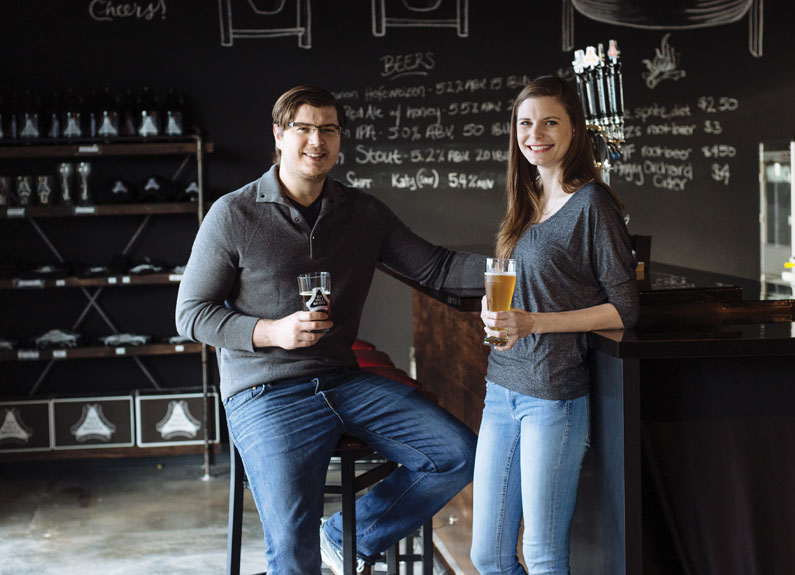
[91,113]
[3,118]
[24,190]
[44,193]
[174,113]
[28,122]
[148,115]
[11,122]
[129,114]
[65,175]
[86,197]
[108,115]
[6,196]
[53,116]
[72,124]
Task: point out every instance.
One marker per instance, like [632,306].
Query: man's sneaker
[332,557]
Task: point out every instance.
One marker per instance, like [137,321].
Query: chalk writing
[423,178]
[418,63]
[453,131]
[353,180]
[464,181]
[714,105]
[109,10]
[651,159]
[429,133]
[380,93]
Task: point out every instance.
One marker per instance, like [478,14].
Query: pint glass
[500,279]
[315,290]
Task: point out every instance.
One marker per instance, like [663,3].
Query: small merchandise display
[25,426]
[7,344]
[92,422]
[176,418]
[125,339]
[117,191]
[57,339]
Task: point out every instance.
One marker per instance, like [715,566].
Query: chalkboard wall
[428,87]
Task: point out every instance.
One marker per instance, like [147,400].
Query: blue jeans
[286,433]
[527,466]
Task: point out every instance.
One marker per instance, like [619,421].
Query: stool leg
[348,479]
[234,536]
[427,548]
[409,552]
[392,559]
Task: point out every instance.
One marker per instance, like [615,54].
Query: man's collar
[269,189]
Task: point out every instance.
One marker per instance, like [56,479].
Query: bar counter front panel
[691,466]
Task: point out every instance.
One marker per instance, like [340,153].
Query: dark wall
[689,177]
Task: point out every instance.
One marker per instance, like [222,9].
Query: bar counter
[690,468]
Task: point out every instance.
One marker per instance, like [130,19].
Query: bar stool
[349,450]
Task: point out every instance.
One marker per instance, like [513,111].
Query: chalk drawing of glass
[656,15]
[421,13]
[265,19]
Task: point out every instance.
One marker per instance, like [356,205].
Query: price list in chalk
[668,147]
[427,134]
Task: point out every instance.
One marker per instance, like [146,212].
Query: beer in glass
[315,290]
[500,280]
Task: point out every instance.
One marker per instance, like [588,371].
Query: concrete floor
[132,516]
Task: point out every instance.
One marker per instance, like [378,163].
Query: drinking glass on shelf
[500,279]
[315,290]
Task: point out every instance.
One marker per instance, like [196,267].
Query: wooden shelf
[108,452]
[110,281]
[18,212]
[104,351]
[93,149]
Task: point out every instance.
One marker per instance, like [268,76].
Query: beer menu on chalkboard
[670,146]
[415,129]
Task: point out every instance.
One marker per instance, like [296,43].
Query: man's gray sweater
[251,247]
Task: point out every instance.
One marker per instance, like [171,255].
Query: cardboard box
[175,418]
[93,422]
[25,426]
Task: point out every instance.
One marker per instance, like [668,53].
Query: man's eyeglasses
[309,129]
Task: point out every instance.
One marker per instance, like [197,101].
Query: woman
[575,273]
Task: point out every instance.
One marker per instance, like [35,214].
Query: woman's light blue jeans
[527,466]
[286,433]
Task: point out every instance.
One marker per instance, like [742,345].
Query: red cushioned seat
[362,344]
[372,358]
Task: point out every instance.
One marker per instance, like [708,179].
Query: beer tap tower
[601,91]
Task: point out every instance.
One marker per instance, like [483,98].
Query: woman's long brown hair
[579,167]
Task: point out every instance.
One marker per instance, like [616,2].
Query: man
[289,390]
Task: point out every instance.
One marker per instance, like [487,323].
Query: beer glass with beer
[500,280]
[315,290]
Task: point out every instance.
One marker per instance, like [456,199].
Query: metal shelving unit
[192,148]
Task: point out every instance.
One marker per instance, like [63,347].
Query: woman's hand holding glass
[512,324]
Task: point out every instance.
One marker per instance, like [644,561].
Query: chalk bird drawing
[664,66]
